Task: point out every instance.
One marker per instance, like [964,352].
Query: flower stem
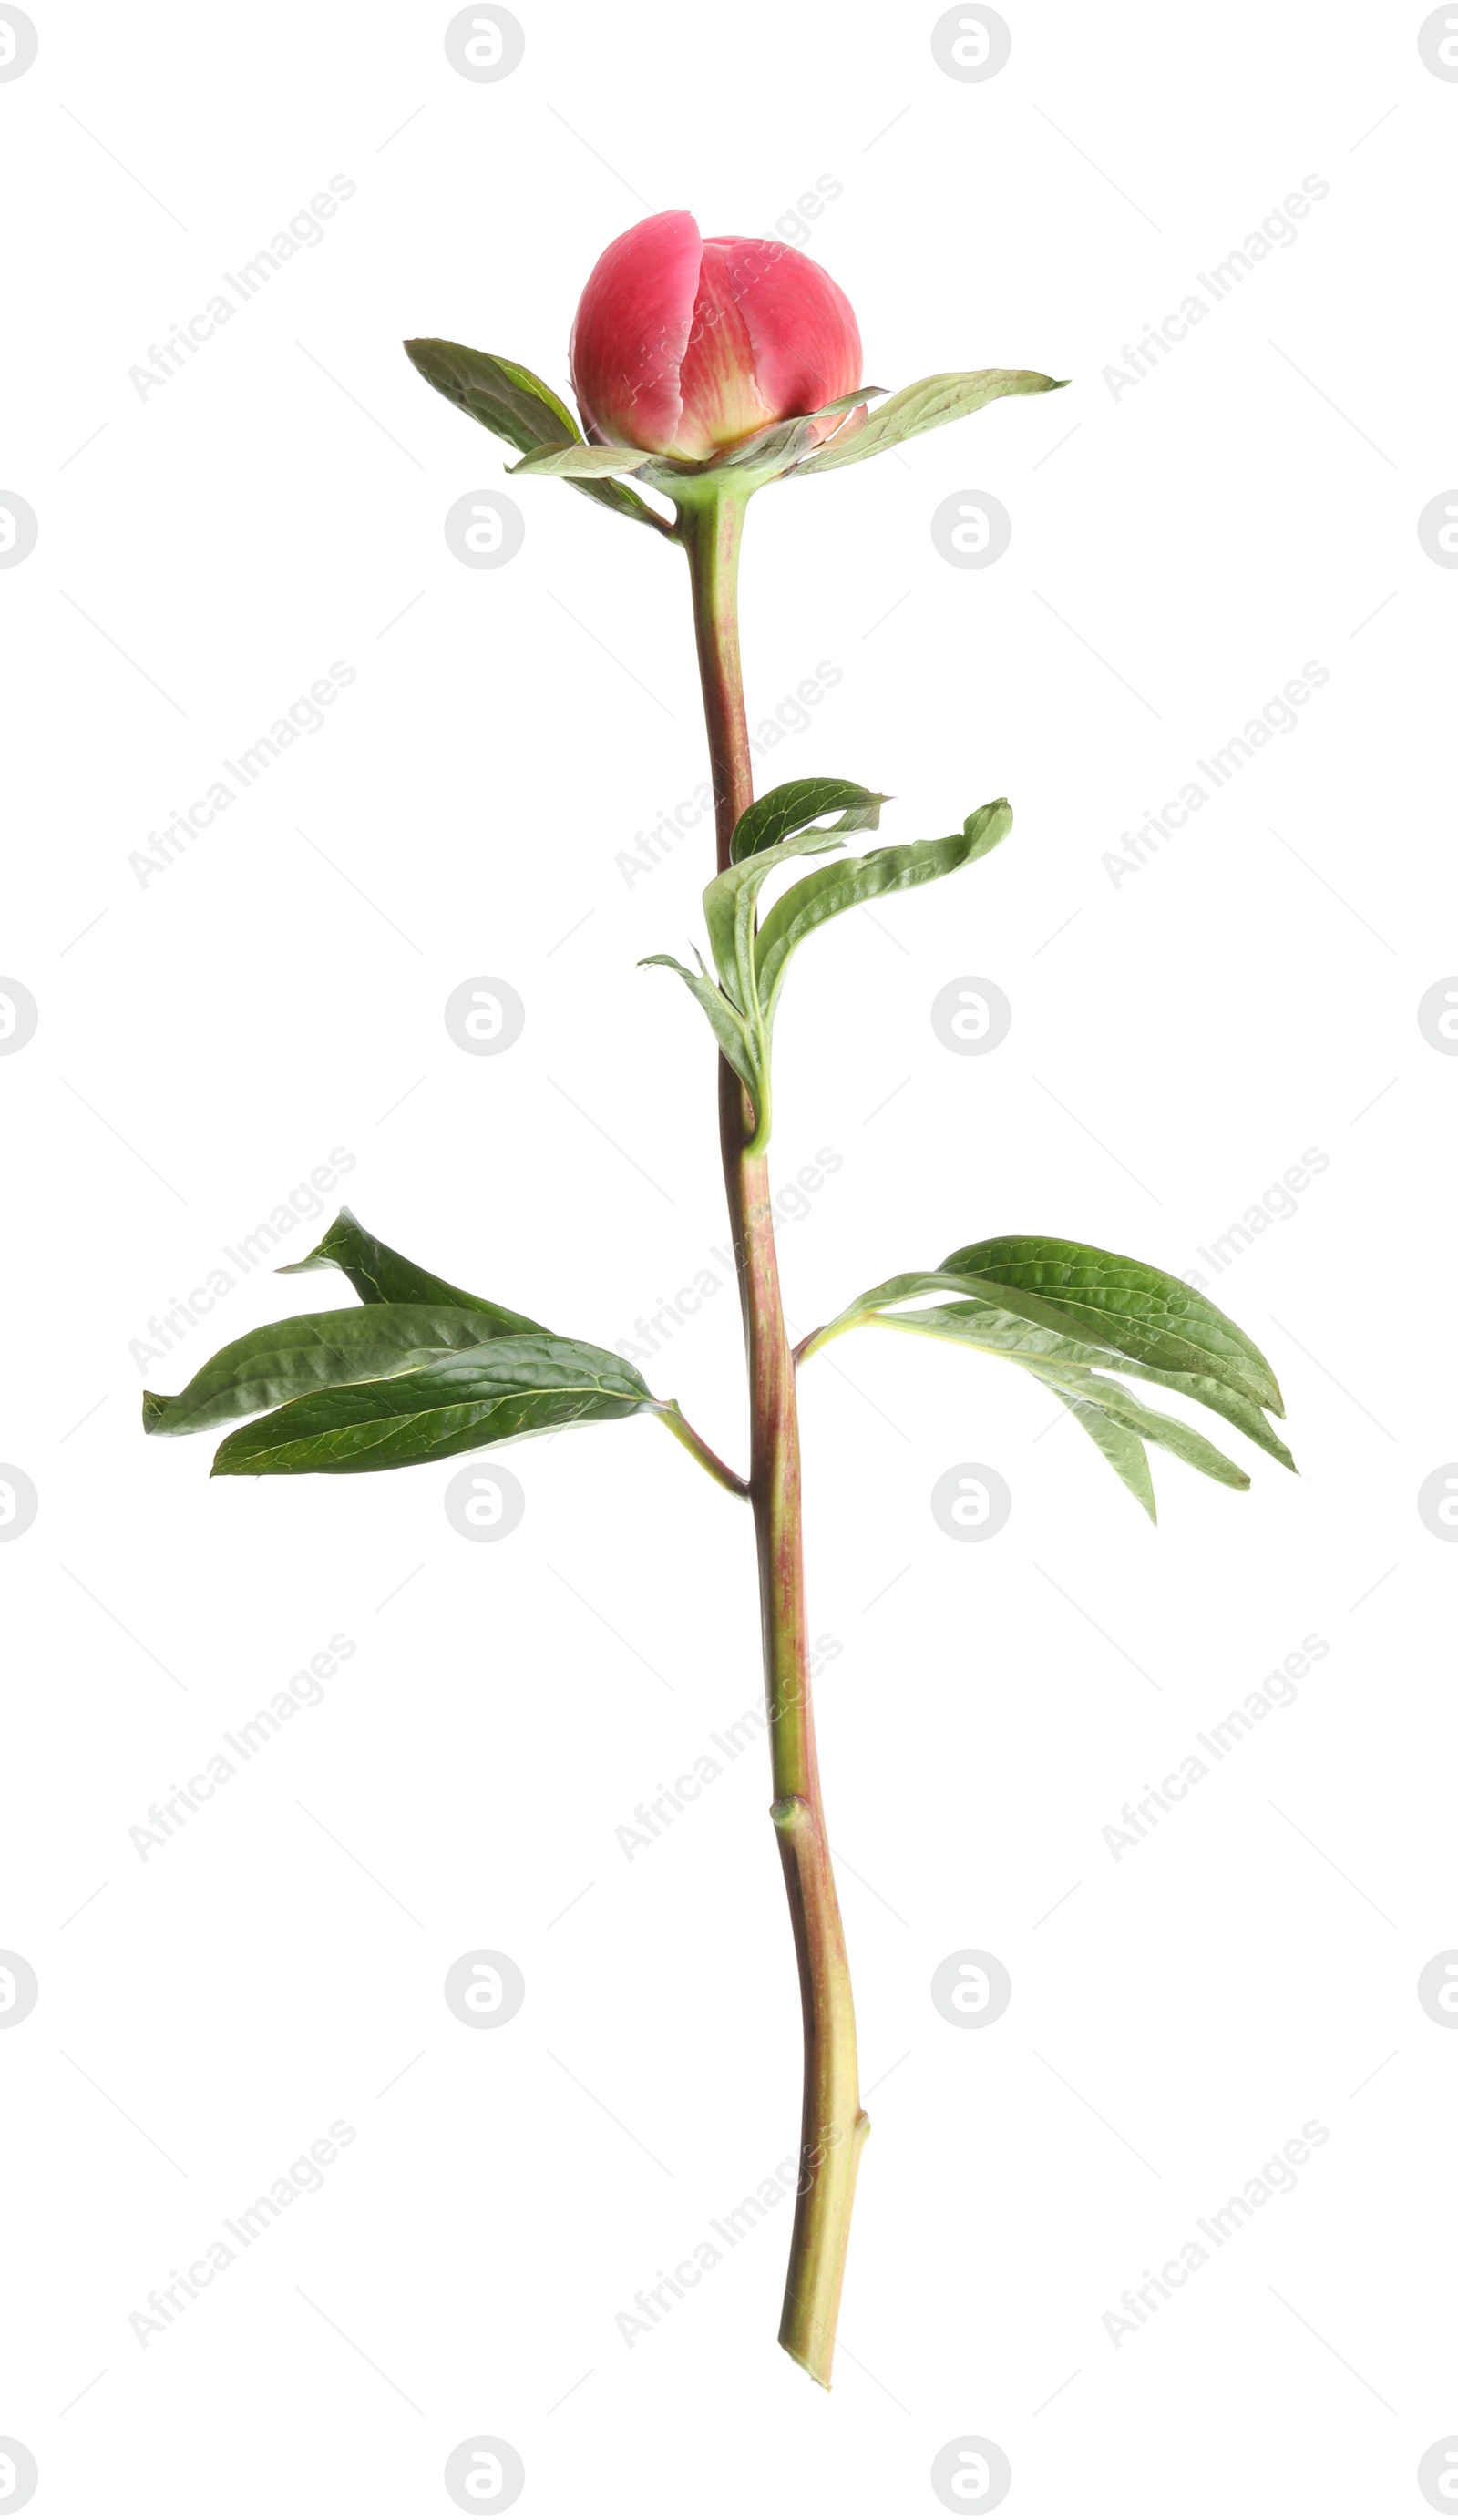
[833,2124]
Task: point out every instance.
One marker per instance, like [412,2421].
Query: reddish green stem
[833,2124]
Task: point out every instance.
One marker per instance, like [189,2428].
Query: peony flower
[686,344]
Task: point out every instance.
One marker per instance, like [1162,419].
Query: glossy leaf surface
[284,1360]
[456,1403]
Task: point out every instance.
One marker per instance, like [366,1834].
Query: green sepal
[780,449]
[929,404]
[518,407]
[581,462]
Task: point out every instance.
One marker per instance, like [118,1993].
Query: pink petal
[632,330]
[721,400]
[801,328]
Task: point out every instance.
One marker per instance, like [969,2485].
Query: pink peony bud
[685,344]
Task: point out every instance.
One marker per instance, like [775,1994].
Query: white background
[1180,1037]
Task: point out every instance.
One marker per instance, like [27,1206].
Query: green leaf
[729,901]
[1075,1382]
[579,462]
[853,880]
[456,1403]
[788,808]
[998,1333]
[931,404]
[750,969]
[729,1028]
[1120,1447]
[1063,1365]
[379,1276]
[285,1358]
[516,406]
[1101,1309]
[1140,1312]
[733,1007]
